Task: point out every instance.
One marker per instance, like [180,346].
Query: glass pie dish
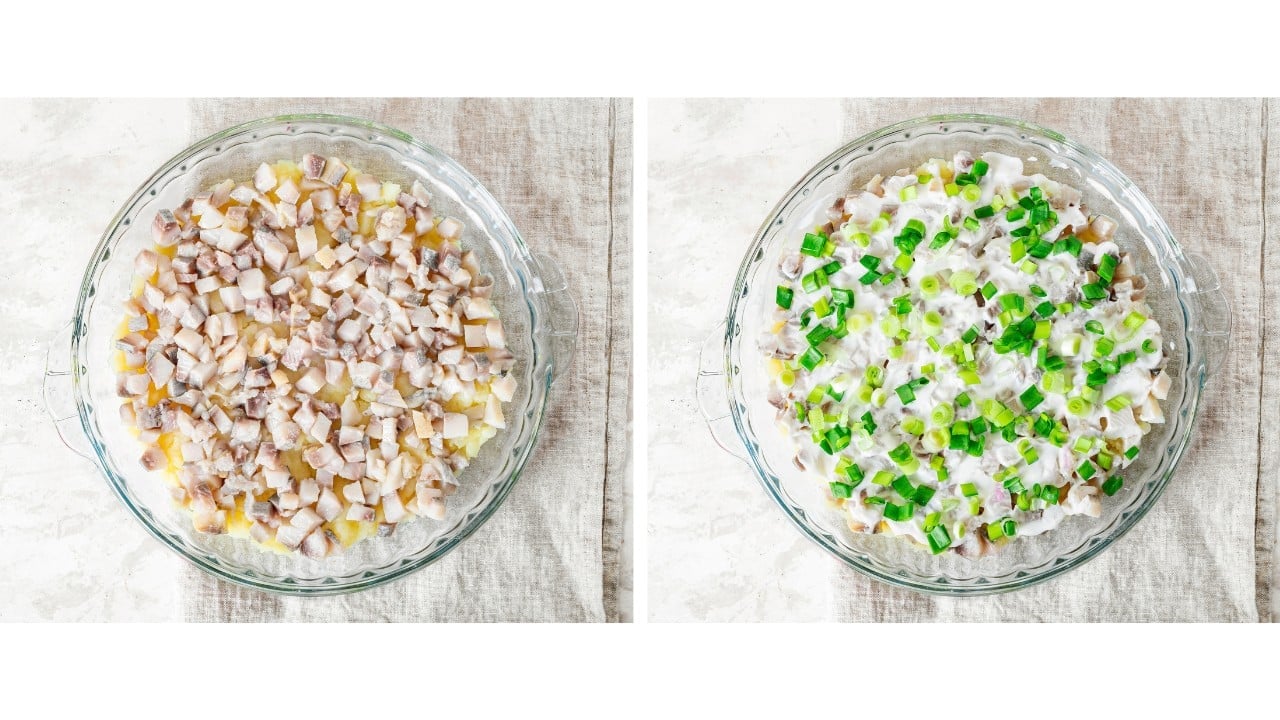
[1183,292]
[530,292]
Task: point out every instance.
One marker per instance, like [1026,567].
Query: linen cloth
[1204,552]
[562,170]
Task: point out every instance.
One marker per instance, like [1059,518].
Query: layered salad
[963,355]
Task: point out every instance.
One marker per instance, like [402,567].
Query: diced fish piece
[160,368]
[287,191]
[392,509]
[153,458]
[479,309]
[334,171]
[245,431]
[265,178]
[449,228]
[390,223]
[328,506]
[315,545]
[253,284]
[322,456]
[360,513]
[307,241]
[165,229]
[290,536]
[504,388]
[312,166]
[475,336]
[145,263]
[455,426]
[311,382]
[493,412]
[232,298]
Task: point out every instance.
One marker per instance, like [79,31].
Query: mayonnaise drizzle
[986,253]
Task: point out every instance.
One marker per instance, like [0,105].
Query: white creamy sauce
[986,253]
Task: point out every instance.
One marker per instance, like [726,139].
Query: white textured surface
[71,551]
[719,549]
[68,549]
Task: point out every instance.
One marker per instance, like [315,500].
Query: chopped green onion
[989,290]
[784,297]
[1112,485]
[971,224]
[814,281]
[1106,268]
[811,358]
[923,495]
[1103,347]
[842,297]
[963,400]
[942,414]
[813,245]
[841,490]
[1031,398]
[969,377]
[883,478]
[972,193]
[1086,470]
[980,168]
[1049,494]
[939,539]
[1014,485]
[951,189]
[985,211]
[932,322]
[913,426]
[963,282]
[1118,403]
[908,193]
[1148,346]
[868,422]
[1078,406]
[818,334]
[1132,452]
[929,286]
[899,513]
[1093,291]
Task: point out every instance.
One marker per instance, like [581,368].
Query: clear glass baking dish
[1184,295]
[538,313]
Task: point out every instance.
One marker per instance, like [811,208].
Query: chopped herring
[311,356]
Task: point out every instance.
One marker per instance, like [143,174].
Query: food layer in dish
[964,355]
[311,356]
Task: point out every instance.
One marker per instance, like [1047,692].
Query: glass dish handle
[562,312]
[1213,332]
[713,394]
[59,394]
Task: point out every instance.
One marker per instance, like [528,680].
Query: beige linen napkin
[1193,557]
[562,170]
